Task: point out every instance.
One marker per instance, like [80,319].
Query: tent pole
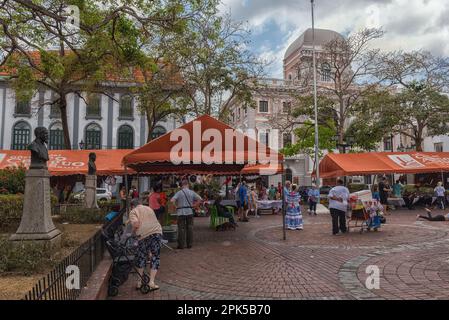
[127,191]
[138,183]
[284,235]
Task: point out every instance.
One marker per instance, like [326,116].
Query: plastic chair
[215,220]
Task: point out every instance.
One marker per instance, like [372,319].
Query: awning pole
[127,192]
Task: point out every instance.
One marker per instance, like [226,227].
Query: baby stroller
[122,246]
[368,214]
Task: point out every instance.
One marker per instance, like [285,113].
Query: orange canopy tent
[352,164]
[202,146]
[70,162]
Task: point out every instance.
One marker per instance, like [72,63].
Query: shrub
[25,257]
[80,215]
[355,187]
[11,207]
[12,180]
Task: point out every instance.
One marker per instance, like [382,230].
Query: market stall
[204,146]
[69,162]
[353,164]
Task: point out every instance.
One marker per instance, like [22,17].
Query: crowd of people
[146,220]
[383,191]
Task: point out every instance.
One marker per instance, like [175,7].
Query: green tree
[349,65]
[215,63]
[42,51]
[306,140]
[418,107]
[368,127]
[416,112]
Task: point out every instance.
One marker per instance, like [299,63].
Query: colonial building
[107,122]
[271,120]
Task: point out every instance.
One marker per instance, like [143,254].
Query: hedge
[80,215]
[11,207]
[355,187]
[12,180]
[26,257]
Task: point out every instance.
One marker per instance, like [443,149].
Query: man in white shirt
[440,192]
[184,201]
[338,206]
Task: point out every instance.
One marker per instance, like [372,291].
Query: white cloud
[409,24]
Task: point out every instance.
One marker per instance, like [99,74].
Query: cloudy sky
[409,24]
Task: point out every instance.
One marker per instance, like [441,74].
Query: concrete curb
[97,285]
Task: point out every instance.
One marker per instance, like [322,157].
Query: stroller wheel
[112,291]
[145,279]
[115,281]
[145,288]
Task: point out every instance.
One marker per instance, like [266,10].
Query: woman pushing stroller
[149,232]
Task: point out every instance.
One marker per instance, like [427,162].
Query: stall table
[269,205]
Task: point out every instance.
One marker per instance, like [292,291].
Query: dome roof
[322,36]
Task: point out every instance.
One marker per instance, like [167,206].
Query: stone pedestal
[90,198]
[36,224]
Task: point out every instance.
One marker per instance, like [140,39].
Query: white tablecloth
[397,202]
[269,204]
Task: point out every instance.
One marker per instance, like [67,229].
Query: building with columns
[107,122]
[271,120]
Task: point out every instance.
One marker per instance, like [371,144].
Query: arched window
[21,136]
[56,137]
[125,137]
[288,174]
[93,137]
[157,132]
[126,107]
[325,72]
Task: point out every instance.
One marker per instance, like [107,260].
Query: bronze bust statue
[38,148]
[92,166]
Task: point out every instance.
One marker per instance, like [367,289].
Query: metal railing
[60,284]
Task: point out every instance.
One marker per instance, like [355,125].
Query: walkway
[254,262]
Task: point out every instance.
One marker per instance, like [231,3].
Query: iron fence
[60,283]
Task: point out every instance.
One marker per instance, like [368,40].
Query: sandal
[154,287]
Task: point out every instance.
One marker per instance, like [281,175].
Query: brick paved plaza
[254,262]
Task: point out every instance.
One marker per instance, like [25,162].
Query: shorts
[242,204]
[151,244]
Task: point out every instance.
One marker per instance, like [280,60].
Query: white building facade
[110,121]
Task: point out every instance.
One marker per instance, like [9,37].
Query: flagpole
[315,99]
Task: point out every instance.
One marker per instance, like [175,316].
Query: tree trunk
[65,126]
[418,142]
[150,127]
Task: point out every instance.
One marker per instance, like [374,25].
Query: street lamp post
[315,100]
[347,143]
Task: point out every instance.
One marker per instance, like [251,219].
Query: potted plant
[169,227]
